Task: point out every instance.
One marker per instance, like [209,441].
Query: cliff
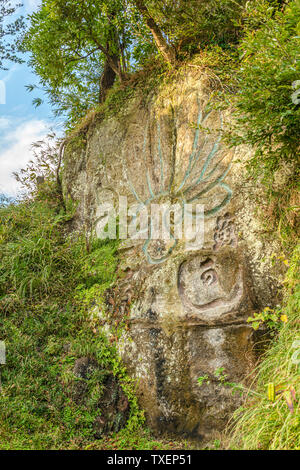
[184,305]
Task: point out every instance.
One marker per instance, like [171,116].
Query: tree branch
[166,51]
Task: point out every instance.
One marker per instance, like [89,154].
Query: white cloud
[31,5]
[9,74]
[15,150]
[4,123]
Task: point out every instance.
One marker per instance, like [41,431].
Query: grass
[48,284]
[273,423]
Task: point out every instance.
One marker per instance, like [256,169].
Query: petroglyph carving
[209,276]
[225,232]
[202,179]
[210,286]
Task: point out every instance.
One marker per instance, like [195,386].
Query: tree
[189,26]
[8,50]
[166,50]
[78,49]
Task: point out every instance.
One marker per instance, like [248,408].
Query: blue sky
[21,123]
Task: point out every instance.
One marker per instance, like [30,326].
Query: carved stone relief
[189,309]
[224,233]
[211,286]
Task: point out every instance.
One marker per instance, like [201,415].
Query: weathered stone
[84,367]
[188,307]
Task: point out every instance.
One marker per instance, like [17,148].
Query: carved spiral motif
[209,277]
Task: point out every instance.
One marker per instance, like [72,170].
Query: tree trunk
[167,51]
[106,82]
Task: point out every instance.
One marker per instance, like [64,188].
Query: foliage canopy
[8,49]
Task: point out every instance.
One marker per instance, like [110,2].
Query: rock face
[189,302]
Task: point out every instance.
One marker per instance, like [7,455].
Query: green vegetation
[8,31]
[50,287]
[80,50]
[272,421]
[90,59]
[267,118]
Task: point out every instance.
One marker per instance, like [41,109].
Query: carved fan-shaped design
[180,175]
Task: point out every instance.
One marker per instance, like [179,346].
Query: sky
[21,123]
